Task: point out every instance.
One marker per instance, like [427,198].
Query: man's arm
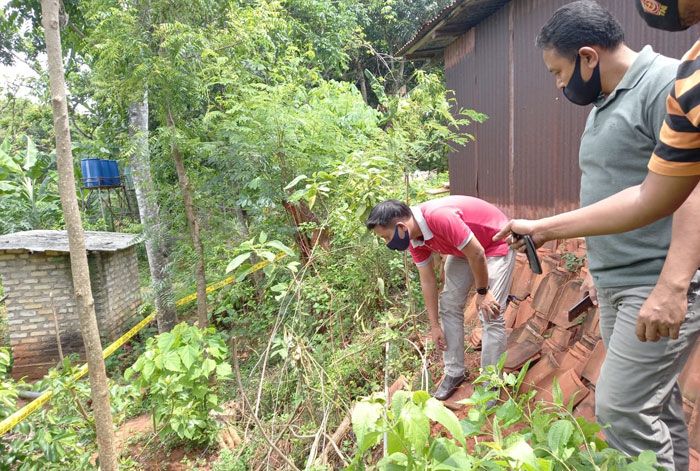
[428,285]
[657,197]
[664,311]
[474,252]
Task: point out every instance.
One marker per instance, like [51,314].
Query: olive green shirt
[620,135]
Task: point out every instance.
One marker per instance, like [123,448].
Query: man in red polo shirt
[462,228]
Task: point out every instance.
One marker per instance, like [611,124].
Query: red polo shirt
[449,223]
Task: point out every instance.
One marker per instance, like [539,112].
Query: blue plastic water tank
[105,173]
[92,172]
[114,173]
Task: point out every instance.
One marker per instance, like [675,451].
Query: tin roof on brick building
[57,241]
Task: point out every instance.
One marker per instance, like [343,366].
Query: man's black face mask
[580,92]
[661,14]
[397,242]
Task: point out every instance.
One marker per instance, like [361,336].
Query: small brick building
[36,276]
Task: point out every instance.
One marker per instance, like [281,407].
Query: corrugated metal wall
[525,158]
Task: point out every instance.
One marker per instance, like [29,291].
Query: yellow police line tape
[7,424]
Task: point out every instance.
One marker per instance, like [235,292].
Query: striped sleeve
[678,150]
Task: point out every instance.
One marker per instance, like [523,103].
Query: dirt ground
[135,439]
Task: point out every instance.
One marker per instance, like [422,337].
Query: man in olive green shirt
[637,393]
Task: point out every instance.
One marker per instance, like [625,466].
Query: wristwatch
[482,291]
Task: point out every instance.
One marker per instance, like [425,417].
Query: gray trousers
[453,298]
[637,392]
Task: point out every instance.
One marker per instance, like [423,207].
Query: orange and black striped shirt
[678,150]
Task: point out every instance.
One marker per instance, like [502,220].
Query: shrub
[180,370]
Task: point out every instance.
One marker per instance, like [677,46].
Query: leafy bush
[507,434]
[178,370]
[230,461]
[62,435]
[28,184]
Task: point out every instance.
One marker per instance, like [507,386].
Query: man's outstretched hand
[520,227]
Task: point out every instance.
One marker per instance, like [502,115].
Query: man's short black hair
[386,213]
[580,24]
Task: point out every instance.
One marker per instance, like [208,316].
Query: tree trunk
[76,240]
[361,78]
[193,225]
[301,214]
[149,212]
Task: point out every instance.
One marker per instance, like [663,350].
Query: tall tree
[142,43]
[192,222]
[149,211]
[76,240]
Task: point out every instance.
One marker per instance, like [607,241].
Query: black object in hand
[531,252]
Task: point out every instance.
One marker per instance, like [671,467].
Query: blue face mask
[397,242]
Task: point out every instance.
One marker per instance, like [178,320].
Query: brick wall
[121,287]
[31,280]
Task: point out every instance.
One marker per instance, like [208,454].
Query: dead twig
[279,452]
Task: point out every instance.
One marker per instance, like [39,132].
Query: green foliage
[264,250]
[181,371]
[572,262]
[508,434]
[60,436]
[424,125]
[230,461]
[266,109]
[5,361]
[407,427]
[8,388]
[28,187]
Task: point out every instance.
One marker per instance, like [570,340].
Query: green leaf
[267,255]
[420,397]
[458,461]
[236,262]
[208,366]
[557,395]
[128,374]
[647,457]
[436,411]
[7,163]
[148,368]
[646,461]
[262,238]
[171,361]
[223,370]
[365,416]
[8,187]
[165,341]
[394,462]
[188,355]
[30,156]
[522,456]
[276,244]
[416,426]
[559,435]
[380,286]
[509,412]
[293,183]
[398,400]
[589,429]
